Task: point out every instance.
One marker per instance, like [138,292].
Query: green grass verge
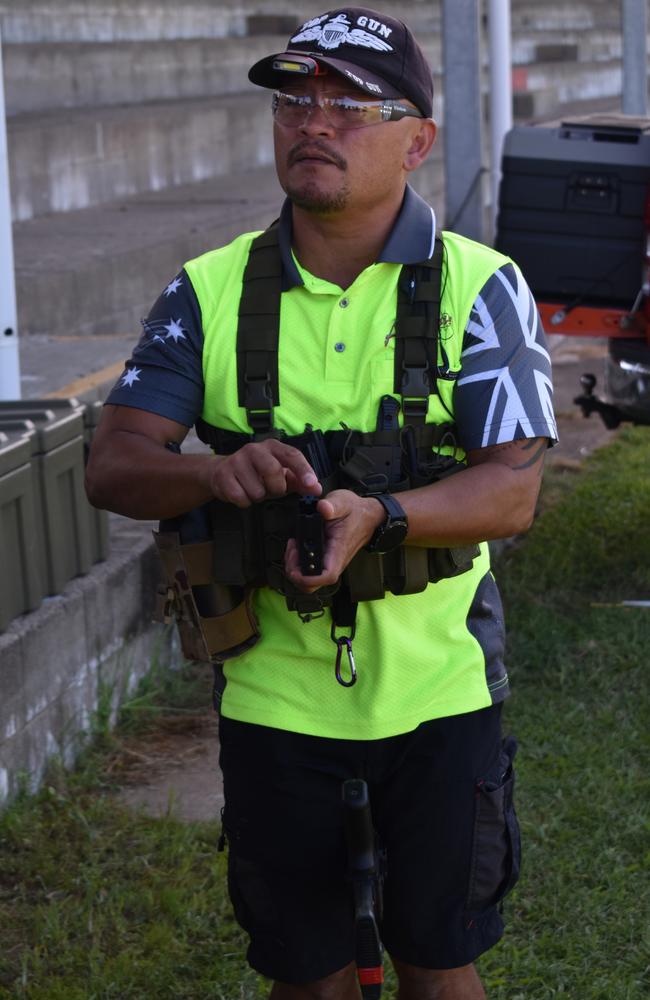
[96,903]
[579,921]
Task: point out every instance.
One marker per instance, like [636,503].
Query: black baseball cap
[376,52]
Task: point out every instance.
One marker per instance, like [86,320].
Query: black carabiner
[340,643]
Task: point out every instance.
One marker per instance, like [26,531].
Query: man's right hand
[132,472]
[259,471]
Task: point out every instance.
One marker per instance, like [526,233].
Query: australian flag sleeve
[164,374]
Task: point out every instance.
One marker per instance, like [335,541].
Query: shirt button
[344,303]
[339,347]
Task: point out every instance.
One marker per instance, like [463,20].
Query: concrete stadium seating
[132,127]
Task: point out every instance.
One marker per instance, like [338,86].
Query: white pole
[462,117]
[500,66]
[9,364]
[635,58]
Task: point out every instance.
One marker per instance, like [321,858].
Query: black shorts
[441,799]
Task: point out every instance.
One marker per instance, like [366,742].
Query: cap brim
[263,74]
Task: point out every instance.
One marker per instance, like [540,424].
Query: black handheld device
[310,537]
[365,872]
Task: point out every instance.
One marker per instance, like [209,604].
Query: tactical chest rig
[217,555]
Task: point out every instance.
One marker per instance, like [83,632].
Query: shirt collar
[410,241]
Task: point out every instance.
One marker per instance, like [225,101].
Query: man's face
[326,170]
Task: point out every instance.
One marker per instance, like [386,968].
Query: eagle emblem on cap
[337,32]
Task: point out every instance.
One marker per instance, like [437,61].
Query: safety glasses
[293,110]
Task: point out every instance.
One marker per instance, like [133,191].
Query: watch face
[391,536]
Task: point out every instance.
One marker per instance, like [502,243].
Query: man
[352,111]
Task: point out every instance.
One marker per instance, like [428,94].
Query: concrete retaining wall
[150,20]
[119,20]
[90,644]
[140,247]
[74,75]
[71,75]
[61,161]
[64,162]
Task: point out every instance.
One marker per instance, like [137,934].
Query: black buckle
[415,380]
[258,401]
[415,409]
[260,421]
[257,392]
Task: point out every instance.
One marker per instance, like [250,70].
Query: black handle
[359,831]
[365,875]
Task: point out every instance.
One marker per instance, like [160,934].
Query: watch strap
[392,507]
[394,513]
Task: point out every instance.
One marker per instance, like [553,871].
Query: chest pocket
[382,372]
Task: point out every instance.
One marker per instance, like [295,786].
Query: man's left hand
[350,521]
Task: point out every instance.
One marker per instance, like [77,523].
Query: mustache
[310,147]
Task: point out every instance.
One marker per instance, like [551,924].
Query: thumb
[337,504]
[327,509]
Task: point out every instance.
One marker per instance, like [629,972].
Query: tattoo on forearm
[540,450]
[536,446]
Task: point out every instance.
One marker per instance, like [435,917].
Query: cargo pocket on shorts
[248,886]
[251,897]
[496,852]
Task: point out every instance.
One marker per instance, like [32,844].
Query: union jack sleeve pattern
[505,390]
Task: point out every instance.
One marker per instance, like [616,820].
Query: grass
[580,917]
[96,903]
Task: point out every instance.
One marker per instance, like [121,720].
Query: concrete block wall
[88,645]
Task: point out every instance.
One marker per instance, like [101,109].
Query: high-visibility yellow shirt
[418,657]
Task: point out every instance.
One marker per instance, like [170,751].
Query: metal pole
[9,364]
[462,117]
[500,63]
[635,57]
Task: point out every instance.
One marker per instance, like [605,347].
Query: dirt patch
[173,770]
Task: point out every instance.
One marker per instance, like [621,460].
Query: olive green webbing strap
[258,332]
[426,437]
[417,327]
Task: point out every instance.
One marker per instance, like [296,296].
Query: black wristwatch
[392,532]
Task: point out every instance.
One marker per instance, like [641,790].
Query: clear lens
[341,112]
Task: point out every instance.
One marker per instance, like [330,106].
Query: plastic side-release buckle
[415,391]
[258,402]
[415,409]
[415,381]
